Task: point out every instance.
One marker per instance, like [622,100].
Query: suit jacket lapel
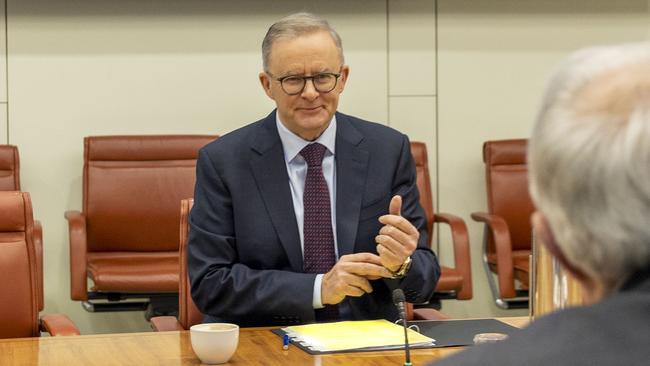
[270,172]
[351,173]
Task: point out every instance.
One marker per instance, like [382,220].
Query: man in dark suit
[589,157]
[308,214]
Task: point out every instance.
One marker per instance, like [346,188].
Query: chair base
[520,301]
[154,304]
[162,306]
[102,307]
[433,303]
[444,295]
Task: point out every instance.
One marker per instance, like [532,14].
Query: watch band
[403,269]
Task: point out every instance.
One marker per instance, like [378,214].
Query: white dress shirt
[292,144]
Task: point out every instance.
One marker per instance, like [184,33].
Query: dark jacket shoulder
[233,143]
[611,332]
[236,142]
[371,130]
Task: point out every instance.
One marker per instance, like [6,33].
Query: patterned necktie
[319,255]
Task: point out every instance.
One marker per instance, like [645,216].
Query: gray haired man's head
[589,158]
[294,26]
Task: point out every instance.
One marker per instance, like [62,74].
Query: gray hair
[589,159]
[294,26]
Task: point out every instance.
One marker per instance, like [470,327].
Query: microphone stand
[407,360]
[398,300]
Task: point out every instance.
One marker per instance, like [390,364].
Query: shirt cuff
[316,303]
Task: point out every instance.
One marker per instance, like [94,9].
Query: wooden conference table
[257,346]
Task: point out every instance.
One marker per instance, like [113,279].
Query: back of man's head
[589,159]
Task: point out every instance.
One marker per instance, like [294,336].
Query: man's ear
[544,234]
[345,74]
[266,84]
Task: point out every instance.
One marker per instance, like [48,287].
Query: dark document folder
[449,333]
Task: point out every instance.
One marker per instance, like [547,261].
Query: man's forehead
[313,52]
[290,37]
[300,68]
[615,92]
[319,40]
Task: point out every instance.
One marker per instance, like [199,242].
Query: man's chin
[315,120]
[311,129]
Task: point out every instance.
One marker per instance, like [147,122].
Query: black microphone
[399,301]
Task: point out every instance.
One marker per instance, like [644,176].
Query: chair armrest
[58,325]
[498,228]
[37,238]
[462,259]
[165,324]
[78,247]
[428,314]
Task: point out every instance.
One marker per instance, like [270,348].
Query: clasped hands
[350,276]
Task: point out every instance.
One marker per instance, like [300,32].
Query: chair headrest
[505,152]
[8,155]
[14,211]
[419,152]
[145,147]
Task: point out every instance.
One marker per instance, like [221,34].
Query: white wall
[412,72]
[470,72]
[3,76]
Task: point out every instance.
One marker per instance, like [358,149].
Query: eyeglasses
[323,83]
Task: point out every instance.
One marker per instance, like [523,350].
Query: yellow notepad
[351,335]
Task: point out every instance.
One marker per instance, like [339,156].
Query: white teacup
[214,343]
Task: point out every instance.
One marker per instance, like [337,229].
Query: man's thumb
[395,207]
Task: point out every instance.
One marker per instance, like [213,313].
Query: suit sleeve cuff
[317,303]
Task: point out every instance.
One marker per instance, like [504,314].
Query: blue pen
[285,342]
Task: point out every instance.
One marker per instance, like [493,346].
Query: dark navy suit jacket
[245,258]
[615,331]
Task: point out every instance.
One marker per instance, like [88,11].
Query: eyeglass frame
[304,81]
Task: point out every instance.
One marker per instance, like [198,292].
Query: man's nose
[309,91]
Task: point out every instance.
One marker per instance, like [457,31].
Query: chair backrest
[506,175]
[18,284]
[9,168]
[10,181]
[188,313]
[132,186]
[419,152]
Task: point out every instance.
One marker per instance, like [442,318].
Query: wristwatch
[402,270]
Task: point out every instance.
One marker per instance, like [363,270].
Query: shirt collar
[293,144]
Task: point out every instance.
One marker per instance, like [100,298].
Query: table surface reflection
[257,346]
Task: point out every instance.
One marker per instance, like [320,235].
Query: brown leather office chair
[126,238]
[10,181]
[189,314]
[508,233]
[455,282]
[20,294]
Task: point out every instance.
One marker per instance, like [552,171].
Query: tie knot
[313,154]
